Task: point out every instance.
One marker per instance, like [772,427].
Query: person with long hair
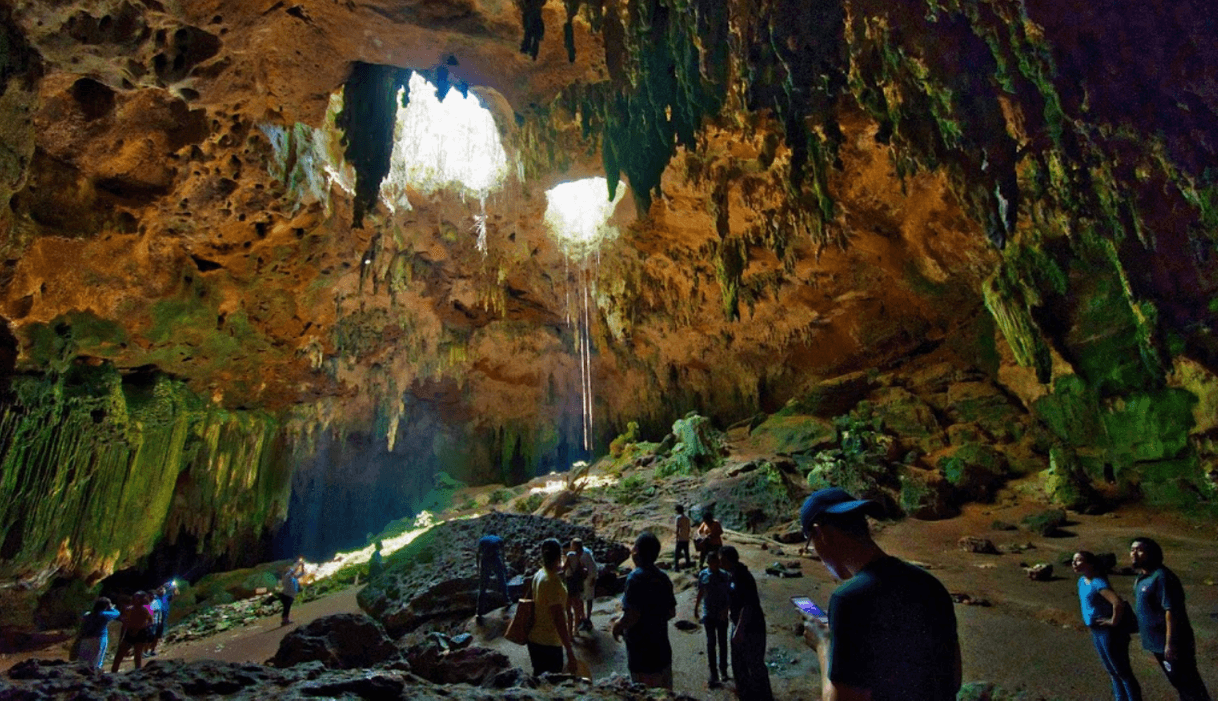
[1103,613]
[549,635]
[94,633]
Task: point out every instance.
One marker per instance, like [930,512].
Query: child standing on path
[714,595]
[683,529]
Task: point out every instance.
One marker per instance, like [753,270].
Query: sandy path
[259,642]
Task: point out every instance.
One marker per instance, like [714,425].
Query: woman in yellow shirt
[549,635]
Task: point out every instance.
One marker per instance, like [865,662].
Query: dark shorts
[143,636]
[575,585]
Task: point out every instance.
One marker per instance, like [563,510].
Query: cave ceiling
[827,187]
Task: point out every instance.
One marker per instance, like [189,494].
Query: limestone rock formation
[204,291]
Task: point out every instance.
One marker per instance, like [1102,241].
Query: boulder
[1067,484]
[755,501]
[926,494]
[833,397]
[435,578]
[792,434]
[341,641]
[984,404]
[909,418]
[1046,523]
[479,666]
[975,470]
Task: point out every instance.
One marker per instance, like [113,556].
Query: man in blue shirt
[647,606]
[1163,621]
[490,564]
[715,593]
[892,629]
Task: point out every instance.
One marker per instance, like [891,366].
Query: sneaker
[479,619]
[714,684]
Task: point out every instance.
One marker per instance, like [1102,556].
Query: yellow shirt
[548,590]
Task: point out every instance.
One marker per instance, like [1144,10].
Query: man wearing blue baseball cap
[892,629]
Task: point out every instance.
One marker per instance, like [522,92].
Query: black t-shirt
[650,592]
[894,632]
[744,596]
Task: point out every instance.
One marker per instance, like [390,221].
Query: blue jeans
[492,568]
[1113,647]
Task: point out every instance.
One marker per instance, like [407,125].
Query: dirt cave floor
[1028,637]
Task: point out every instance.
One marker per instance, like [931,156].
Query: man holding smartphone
[892,629]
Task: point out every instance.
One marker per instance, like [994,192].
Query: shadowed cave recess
[275,276]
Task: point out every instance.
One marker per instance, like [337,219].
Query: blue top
[893,631]
[649,591]
[289,584]
[1095,606]
[1154,595]
[716,590]
[96,625]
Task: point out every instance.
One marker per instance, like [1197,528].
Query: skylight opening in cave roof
[450,143]
[578,212]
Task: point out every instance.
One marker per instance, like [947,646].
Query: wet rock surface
[435,578]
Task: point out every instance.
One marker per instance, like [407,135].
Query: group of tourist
[143,621]
[890,632]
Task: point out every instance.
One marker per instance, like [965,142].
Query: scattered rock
[969,600]
[1040,572]
[789,569]
[435,578]
[974,544]
[1016,548]
[1003,526]
[35,680]
[686,626]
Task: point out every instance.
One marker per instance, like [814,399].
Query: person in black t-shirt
[748,631]
[892,629]
[647,606]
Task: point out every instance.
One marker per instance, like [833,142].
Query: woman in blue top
[1104,613]
[94,637]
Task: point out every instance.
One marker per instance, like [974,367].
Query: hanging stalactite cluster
[97,470]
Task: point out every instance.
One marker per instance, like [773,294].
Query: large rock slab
[341,641]
[435,578]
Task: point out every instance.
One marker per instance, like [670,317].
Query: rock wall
[817,188]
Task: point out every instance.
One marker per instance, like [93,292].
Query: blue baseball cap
[833,501]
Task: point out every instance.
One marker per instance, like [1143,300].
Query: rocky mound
[36,680]
[435,578]
[341,641]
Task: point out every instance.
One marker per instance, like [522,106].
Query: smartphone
[810,608]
